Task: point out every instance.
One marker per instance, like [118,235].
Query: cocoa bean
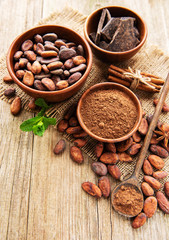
[160,174]
[114,171]
[7,79]
[38,38]
[76,154]
[80,142]
[36,67]
[62,84]
[48,60]
[136,137]
[66,73]
[49,54]
[69,64]
[27,45]
[162,202]
[80,135]
[57,71]
[147,190]
[73,130]
[79,68]
[165,107]
[156,161]
[66,53]
[16,106]
[20,74]
[30,55]
[48,83]
[51,47]
[139,220]
[71,110]
[149,118]
[80,50]
[110,147]
[153,182]
[124,157]
[109,158]
[124,145]
[42,75]
[159,151]
[18,55]
[104,185]
[150,206]
[74,78]
[9,92]
[147,168]
[73,122]
[77,60]
[45,69]
[28,78]
[99,168]
[54,65]
[92,189]
[99,149]
[29,66]
[143,128]
[134,149]
[154,140]
[62,125]
[23,62]
[70,44]
[49,43]
[52,37]
[39,86]
[16,66]
[60,146]
[59,43]
[166,189]
[32,104]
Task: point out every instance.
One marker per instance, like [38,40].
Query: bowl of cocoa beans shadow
[109,112]
[115,33]
[50,62]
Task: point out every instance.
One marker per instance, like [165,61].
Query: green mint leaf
[28,124]
[41,103]
[42,112]
[39,129]
[48,121]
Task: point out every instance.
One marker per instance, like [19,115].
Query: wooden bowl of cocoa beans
[50,62]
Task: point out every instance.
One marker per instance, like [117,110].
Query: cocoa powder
[108,113]
[128,200]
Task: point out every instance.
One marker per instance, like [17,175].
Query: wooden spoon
[133,180]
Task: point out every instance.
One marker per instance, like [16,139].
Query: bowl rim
[122,88]
[47,93]
[111,52]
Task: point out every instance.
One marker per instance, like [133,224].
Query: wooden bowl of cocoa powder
[109,112]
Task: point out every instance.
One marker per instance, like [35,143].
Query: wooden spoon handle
[152,126]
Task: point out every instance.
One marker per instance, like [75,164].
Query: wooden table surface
[40,194]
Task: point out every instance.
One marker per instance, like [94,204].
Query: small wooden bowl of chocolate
[49,61]
[109,112]
[115,33]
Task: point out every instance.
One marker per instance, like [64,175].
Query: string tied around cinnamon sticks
[135,79]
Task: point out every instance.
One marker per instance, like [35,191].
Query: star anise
[164,133]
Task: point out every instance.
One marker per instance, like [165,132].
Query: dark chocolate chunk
[110,28]
[103,45]
[100,26]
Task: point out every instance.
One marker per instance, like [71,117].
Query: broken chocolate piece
[100,26]
[110,28]
[103,45]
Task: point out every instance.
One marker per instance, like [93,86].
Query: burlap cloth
[150,59]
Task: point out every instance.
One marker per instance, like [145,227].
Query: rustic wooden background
[40,194]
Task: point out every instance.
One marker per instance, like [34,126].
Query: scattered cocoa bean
[154,183]
[147,190]
[166,189]
[150,206]
[139,220]
[92,189]
[60,146]
[76,155]
[80,142]
[32,104]
[62,125]
[99,168]
[114,171]
[109,158]
[165,107]
[80,135]
[136,137]
[9,92]
[7,79]
[162,202]
[73,130]
[134,149]
[159,151]
[99,149]
[16,106]
[143,128]
[123,146]
[124,157]
[104,185]
[110,147]
[147,168]
[149,118]
[160,174]
[73,122]
[156,161]
[71,110]
[154,140]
